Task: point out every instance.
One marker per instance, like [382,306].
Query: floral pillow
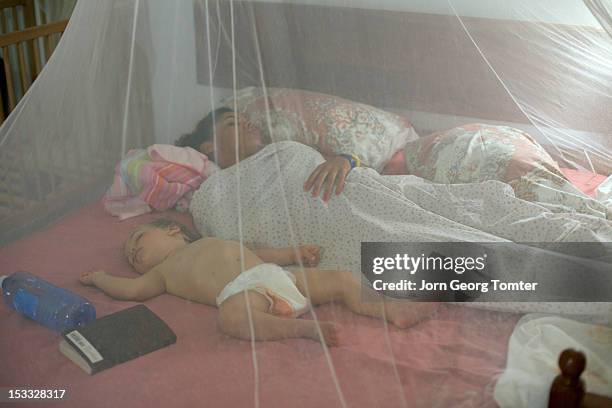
[478,152]
[330,124]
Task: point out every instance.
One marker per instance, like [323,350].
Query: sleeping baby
[227,274]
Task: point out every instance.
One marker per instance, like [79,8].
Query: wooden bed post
[568,389]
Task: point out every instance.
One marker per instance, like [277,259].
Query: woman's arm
[332,173]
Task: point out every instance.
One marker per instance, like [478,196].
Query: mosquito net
[465,121]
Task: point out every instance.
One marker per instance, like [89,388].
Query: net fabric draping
[131,73]
[602,11]
[50,161]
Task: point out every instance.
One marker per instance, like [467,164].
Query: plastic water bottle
[53,307]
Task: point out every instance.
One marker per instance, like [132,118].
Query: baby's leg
[322,286]
[234,321]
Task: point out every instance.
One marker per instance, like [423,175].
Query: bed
[456,355]
[450,359]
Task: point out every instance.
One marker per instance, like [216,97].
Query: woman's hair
[164,223]
[203,132]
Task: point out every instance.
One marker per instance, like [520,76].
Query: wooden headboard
[398,59]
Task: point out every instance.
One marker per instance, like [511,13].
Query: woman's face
[236,139]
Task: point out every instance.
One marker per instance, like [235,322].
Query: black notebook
[116,338]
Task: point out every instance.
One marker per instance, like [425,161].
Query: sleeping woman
[237,139]
[466,154]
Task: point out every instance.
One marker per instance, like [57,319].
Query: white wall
[552,11]
[179,101]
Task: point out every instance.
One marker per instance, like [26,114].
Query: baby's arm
[309,255]
[140,289]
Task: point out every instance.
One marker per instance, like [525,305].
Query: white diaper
[275,283]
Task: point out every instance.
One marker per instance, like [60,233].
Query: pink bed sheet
[586,181]
[451,359]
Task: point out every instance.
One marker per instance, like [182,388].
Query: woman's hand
[332,173]
[86,278]
[309,255]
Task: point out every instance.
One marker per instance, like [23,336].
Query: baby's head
[150,244]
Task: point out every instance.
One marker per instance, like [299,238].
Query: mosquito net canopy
[130,74]
[455,120]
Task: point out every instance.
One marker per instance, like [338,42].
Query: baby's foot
[404,314]
[331,333]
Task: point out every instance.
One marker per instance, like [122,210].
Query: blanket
[533,353]
[158,177]
[261,202]
[478,152]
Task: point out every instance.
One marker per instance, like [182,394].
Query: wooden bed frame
[568,390]
[42,178]
[27,46]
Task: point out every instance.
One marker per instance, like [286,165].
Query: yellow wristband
[357,160]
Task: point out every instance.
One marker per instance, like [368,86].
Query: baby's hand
[309,255]
[332,333]
[86,278]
